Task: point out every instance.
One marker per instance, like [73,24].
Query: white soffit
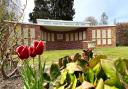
[60,28]
[60,25]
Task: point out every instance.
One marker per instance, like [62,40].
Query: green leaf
[63,76]
[54,71]
[109,87]
[46,77]
[71,67]
[100,84]
[97,69]
[74,83]
[96,60]
[90,76]
[81,62]
[62,87]
[111,73]
[65,61]
[121,66]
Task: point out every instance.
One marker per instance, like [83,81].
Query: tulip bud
[22,52]
[39,47]
[32,51]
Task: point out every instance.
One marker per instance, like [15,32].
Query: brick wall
[64,45]
[80,43]
[53,43]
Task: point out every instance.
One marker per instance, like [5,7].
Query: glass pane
[104,34]
[93,33]
[84,35]
[76,36]
[98,34]
[25,32]
[104,41]
[98,41]
[109,33]
[109,41]
[52,36]
[71,37]
[67,37]
[44,36]
[32,32]
[48,36]
[80,35]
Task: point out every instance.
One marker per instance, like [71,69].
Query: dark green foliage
[46,77]
[54,71]
[52,9]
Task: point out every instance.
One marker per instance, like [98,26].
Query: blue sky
[115,9]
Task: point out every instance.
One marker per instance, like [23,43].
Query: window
[76,36]
[98,41]
[104,36]
[98,33]
[84,35]
[25,32]
[32,32]
[94,35]
[44,36]
[71,37]
[48,36]
[109,36]
[80,35]
[104,41]
[109,41]
[109,33]
[59,36]
[98,37]
[52,35]
[67,37]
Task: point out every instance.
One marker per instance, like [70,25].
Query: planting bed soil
[12,83]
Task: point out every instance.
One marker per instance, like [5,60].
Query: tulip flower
[32,51]
[22,52]
[39,47]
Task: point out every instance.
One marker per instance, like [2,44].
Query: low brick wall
[62,45]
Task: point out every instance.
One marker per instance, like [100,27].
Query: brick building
[67,34]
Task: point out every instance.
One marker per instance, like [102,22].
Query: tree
[92,20]
[52,9]
[104,19]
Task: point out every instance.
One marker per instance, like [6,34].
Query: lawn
[52,56]
[115,52]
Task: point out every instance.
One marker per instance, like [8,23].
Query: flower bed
[82,71]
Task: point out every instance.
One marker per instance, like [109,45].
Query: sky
[114,9]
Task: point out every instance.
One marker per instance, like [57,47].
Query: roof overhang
[61,25]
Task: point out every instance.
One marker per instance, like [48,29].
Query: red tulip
[22,52]
[32,51]
[39,47]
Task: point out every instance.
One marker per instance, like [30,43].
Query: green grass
[52,56]
[115,52]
